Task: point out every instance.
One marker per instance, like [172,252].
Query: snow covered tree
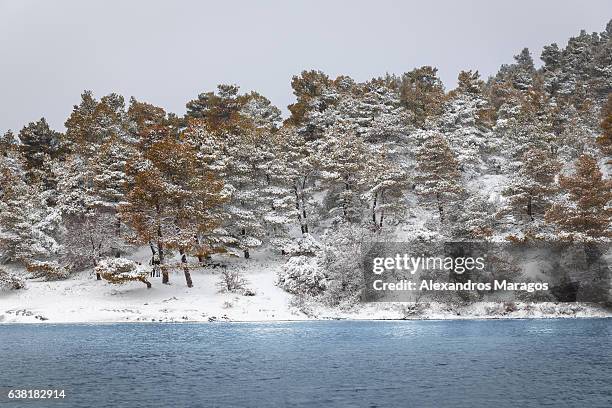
[472,217]
[586,213]
[387,183]
[282,205]
[296,169]
[8,144]
[88,234]
[109,184]
[120,270]
[437,172]
[93,123]
[605,140]
[235,130]
[211,157]
[522,72]
[341,261]
[422,94]
[344,158]
[524,122]
[28,226]
[552,57]
[93,179]
[171,201]
[260,111]
[302,274]
[531,189]
[315,93]
[466,122]
[39,144]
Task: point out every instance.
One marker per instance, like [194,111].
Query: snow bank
[84,299]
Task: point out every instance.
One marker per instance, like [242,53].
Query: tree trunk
[117,236]
[186,269]
[297,207]
[304,206]
[199,255]
[440,209]
[146,282]
[95,263]
[160,254]
[162,266]
[529,208]
[374,208]
[382,212]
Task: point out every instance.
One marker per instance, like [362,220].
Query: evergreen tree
[531,189]
[28,227]
[466,122]
[39,145]
[422,94]
[586,214]
[171,201]
[297,164]
[237,129]
[343,161]
[387,183]
[315,93]
[605,140]
[437,173]
[93,123]
[8,144]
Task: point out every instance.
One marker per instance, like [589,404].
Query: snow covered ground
[83,299]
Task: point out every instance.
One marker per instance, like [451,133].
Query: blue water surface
[476,363]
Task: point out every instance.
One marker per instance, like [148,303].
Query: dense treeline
[395,157]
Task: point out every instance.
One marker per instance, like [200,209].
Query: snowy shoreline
[320,319]
[96,302]
[82,299]
[350,319]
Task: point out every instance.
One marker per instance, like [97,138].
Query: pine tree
[281,211]
[343,161]
[586,214]
[39,146]
[531,189]
[8,144]
[296,167]
[466,122]
[93,123]
[438,175]
[422,94]
[28,226]
[87,233]
[605,140]
[239,127]
[523,71]
[90,192]
[171,201]
[211,158]
[524,122]
[387,183]
[315,93]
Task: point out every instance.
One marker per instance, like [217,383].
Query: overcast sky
[166,51]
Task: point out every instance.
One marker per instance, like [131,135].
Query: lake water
[506,363]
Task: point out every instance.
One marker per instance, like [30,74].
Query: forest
[521,156]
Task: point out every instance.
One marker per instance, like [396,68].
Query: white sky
[166,52]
